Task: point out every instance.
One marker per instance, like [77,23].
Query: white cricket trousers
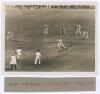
[37,60]
[45,31]
[78,31]
[19,56]
[9,37]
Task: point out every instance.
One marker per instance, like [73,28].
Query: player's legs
[11,36]
[79,31]
[62,45]
[59,47]
[18,56]
[87,36]
[83,34]
[44,31]
[15,66]
[11,66]
[76,31]
[35,60]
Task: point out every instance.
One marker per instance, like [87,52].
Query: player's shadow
[9,69]
[65,49]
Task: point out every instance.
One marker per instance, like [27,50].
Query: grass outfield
[27,25]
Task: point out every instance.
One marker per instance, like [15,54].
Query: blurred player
[85,34]
[10,35]
[78,30]
[38,57]
[60,44]
[19,53]
[62,30]
[13,61]
[46,28]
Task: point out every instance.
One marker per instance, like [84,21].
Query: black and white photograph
[50,38]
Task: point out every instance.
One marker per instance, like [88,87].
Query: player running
[60,44]
[38,57]
[85,34]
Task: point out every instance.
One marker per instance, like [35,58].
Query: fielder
[19,53]
[60,43]
[78,30]
[62,29]
[38,57]
[10,35]
[85,34]
[46,28]
[13,61]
